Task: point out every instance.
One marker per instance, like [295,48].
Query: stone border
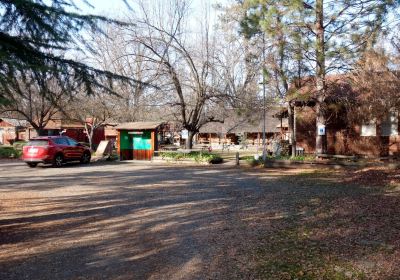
[327,164]
[180,161]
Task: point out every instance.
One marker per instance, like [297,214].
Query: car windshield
[38,143]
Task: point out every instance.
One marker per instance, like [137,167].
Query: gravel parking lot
[121,221]
[146,221]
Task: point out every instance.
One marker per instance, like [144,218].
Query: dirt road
[136,221]
[123,221]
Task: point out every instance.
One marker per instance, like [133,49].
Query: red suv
[55,150]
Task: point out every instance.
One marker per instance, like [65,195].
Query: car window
[61,141]
[37,143]
[72,142]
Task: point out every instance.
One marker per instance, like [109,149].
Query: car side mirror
[78,145]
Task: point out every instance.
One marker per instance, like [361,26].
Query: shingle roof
[138,125]
[13,122]
[235,123]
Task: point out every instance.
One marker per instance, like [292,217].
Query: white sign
[321,130]
[104,148]
[185,134]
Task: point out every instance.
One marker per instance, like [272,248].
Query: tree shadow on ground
[138,223]
[124,222]
[343,230]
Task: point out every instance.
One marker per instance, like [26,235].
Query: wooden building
[348,133]
[237,129]
[12,130]
[137,140]
[60,125]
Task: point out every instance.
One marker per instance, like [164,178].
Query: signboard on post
[104,148]
[321,130]
[185,134]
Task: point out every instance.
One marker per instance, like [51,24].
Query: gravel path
[130,221]
[148,221]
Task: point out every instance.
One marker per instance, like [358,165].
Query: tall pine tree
[36,34]
[339,31]
[287,45]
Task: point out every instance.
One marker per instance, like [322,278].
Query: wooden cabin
[137,140]
[244,128]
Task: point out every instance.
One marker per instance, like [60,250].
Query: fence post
[237,158]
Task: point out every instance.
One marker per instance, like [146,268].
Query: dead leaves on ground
[352,230]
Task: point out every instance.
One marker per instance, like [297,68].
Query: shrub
[171,155]
[195,155]
[253,162]
[19,145]
[9,152]
[296,158]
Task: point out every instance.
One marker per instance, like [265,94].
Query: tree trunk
[292,132]
[89,132]
[40,131]
[189,140]
[320,140]
[321,145]
[91,139]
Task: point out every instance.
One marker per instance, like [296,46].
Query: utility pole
[264,155]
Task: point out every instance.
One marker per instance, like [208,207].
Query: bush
[196,156]
[172,155]
[253,162]
[9,152]
[296,158]
[19,145]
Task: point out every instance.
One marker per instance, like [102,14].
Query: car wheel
[85,158]
[32,164]
[58,160]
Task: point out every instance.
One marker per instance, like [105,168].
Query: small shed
[137,140]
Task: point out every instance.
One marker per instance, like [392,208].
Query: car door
[63,145]
[67,151]
[75,148]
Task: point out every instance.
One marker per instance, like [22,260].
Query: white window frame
[368,129]
[391,123]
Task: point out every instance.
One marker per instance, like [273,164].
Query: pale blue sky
[117,7]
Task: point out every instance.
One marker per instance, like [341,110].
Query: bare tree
[37,97]
[376,79]
[115,54]
[237,64]
[94,111]
[182,62]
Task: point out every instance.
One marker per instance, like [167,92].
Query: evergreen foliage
[337,33]
[34,38]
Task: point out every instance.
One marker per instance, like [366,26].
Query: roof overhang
[139,126]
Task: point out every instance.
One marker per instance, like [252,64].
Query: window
[389,127]
[368,129]
[61,141]
[52,132]
[38,143]
[72,142]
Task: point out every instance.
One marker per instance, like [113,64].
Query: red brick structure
[73,129]
[11,130]
[346,136]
